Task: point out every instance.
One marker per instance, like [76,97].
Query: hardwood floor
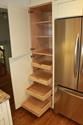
[22,117]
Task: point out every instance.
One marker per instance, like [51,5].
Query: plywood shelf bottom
[41,77]
[42,64]
[39,91]
[43,22]
[43,36]
[46,52]
[36,107]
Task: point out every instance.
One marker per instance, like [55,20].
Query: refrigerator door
[67,42]
[69,104]
[80,83]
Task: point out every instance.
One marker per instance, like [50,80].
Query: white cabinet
[18,30]
[1,117]
[38,2]
[5,114]
[20,65]
[67,8]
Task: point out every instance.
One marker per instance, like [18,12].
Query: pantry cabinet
[38,2]
[40,90]
[67,8]
[20,64]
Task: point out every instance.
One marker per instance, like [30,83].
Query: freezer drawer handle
[69,92]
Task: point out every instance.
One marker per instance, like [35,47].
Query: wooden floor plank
[23,117]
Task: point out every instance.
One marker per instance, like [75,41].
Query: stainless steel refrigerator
[69,67]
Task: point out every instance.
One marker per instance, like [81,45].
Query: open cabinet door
[18,24]
[20,47]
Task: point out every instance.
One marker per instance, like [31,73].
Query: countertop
[3,96]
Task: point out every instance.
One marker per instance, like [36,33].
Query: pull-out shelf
[44,22]
[36,107]
[45,52]
[43,64]
[42,77]
[39,91]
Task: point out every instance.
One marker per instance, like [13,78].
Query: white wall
[5,3]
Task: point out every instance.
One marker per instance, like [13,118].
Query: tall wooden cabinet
[40,91]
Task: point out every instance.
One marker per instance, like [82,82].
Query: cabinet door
[1,117]
[5,118]
[5,114]
[20,46]
[67,8]
[38,2]
[18,23]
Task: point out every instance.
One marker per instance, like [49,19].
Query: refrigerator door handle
[77,45]
[81,61]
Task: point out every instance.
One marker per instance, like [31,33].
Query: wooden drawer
[43,52]
[42,77]
[39,91]
[36,107]
[42,64]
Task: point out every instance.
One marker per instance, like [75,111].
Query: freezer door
[67,42]
[69,104]
[80,83]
